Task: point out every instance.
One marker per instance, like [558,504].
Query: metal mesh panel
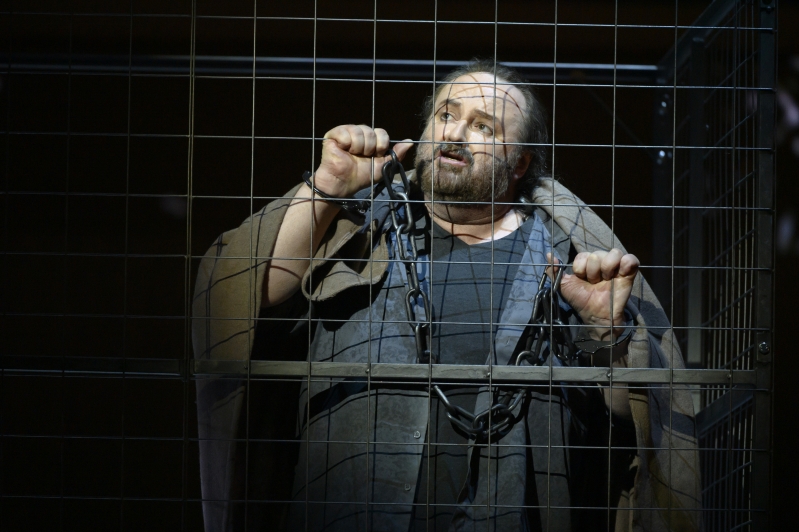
[718,189]
[132,135]
[727,465]
[715,234]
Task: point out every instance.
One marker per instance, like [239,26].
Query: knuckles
[601,265]
[358,140]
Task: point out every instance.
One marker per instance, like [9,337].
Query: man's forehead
[482,86]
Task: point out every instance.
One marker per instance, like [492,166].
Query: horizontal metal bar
[617,146]
[145,367]
[409,372]
[364,20]
[54,366]
[404,69]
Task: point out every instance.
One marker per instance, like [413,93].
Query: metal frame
[406,372]
[751,386]
[740,419]
[308,67]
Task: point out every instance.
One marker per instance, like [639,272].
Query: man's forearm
[303,227]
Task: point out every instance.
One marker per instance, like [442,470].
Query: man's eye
[446,116]
[484,128]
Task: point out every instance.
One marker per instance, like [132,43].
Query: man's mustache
[454,151]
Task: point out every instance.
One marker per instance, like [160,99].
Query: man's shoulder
[554,234]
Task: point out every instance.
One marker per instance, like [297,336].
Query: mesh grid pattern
[131,137]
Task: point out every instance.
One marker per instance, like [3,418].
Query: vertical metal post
[764,277]
[661,192]
[696,199]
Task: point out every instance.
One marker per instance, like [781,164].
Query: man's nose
[455,131]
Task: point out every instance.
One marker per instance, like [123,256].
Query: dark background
[97,226]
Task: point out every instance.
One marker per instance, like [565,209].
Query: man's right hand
[349,154]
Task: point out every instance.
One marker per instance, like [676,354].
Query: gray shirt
[361,460]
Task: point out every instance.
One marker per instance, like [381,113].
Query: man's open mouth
[455,157]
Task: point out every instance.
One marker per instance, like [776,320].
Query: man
[377,456]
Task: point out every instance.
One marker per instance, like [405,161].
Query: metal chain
[409,259]
[543,332]
[546,330]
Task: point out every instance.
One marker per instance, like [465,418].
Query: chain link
[397,201]
[543,332]
[546,330]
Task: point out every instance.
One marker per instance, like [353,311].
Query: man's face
[468,159]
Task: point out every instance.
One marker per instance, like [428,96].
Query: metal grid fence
[113,154]
[725,117]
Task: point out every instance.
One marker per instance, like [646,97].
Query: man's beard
[470,183]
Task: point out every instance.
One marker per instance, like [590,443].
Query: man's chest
[469,286]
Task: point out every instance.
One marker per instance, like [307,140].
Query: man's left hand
[599,289]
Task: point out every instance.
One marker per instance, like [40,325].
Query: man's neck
[474,224]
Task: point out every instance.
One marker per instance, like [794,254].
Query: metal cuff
[348,204]
[598,347]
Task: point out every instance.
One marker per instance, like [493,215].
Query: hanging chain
[546,331]
[541,334]
[409,258]
[547,327]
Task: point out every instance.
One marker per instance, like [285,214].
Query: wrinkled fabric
[667,494]
[226,307]
[332,479]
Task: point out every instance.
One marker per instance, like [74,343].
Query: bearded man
[487,226]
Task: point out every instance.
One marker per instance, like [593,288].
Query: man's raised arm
[351,155]
[598,290]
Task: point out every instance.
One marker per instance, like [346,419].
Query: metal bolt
[417,434]
[407,487]
[764,348]
[608,374]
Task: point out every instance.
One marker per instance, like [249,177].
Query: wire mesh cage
[150,384]
[724,121]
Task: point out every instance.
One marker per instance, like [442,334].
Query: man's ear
[522,164]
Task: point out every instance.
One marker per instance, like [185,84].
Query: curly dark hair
[534,137]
